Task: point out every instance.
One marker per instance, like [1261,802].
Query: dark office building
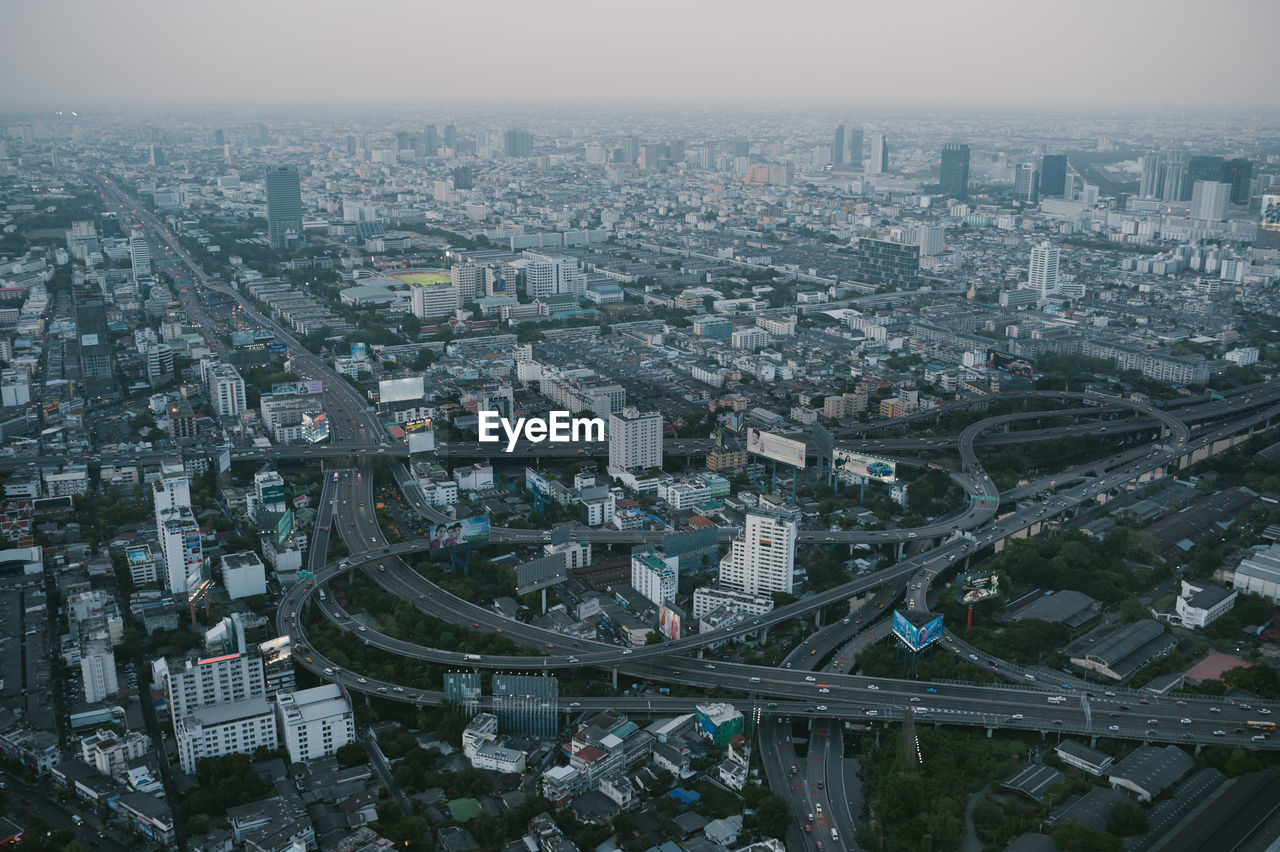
[450,136]
[526,705]
[351,146]
[630,147]
[741,146]
[887,263]
[219,138]
[464,178]
[1239,173]
[431,141]
[284,207]
[109,225]
[1205,168]
[157,156]
[955,170]
[837,147]
[517,143]
[1053,174]
[94,340]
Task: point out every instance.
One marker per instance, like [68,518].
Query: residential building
[233,727]
[635,440]
[655,575]
[1042,275]
[315,722]
[1200,604]
[762,557]
[284,207]
[194,682]
[243,575]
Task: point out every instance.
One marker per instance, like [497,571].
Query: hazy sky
[1106,53]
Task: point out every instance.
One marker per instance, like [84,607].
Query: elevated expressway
[846,696]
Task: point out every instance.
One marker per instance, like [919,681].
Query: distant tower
[1026,183]
[284,207]
[1238,173]
[1152,182]
[955,170]
[837,148]
[1042,274]
[878,160]
[1053,174]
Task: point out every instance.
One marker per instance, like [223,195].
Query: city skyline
[834,56]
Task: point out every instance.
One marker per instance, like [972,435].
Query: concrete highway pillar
[1093,741]
[989,730]
[902,548]
[700,650]
[817,620]
[615,677]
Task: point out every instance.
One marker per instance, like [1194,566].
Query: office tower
[878,159]
[762,558]
[434,301]
[1042,274]
[517,143]
[219,138]
[431,141]
[635,440]
[218,706]
[259,134]
[853,146]
[1152,182]
[1209,200]
[402,140]
[675,151]
[887,263]
[139,255]
[630,147]
[550,275]
[1026,183]
[315,722]
[1053,174]
[655,575]
[837,147]
[194,682]
[351,145]
[157,156]
[268,489]
[1205,168]
[954,173]
[464,177]
[159,363]
[284,207]
[172,489]
[450,136]
[1177,186]
[1239,173]
[468,278]
[740,146]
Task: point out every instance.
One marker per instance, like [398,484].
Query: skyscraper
[635,440]
[1053,174]
[853,145]
[762,558]
[1026,183]
[878,160]
[1176,182]
[431,141]
[954,175]
[518,143]
[1205,168]
[1238,173]
[837,148]
[1042,274]
[1209,200]
[139,255]
[450,136]
[157,156]
[284,207]
[1152,182]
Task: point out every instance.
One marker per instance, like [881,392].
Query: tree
[352,754]
[1127,819]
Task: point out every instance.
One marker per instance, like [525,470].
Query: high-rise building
[1026,183]
[431,141]
[887,263]
[193,682]
[549,275]
[1042,274]
[1151,184]
[434,301]
[526,705]
[837,147]
[157,156]
[1053,174]
[1203,167]
[655,575]
[468,278]
[159,363]
[1209,200]
[762,558]
[635,440]
[226,391]
[954,172]
[284,207]
[172,489]
[315,722]
[1239,173]
[181,549]
[98,668]
[853,146]
[139,255]
[237,727]
[878,159]
[464,177]
[1177,185]
[740,146]
[518,143]
[450,136]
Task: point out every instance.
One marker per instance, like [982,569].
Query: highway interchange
[1033,699]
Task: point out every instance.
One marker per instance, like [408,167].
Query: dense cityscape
[733,478]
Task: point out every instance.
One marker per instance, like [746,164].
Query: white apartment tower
[315,722]
[655,575]
[226,391]
[762,558]
[468,280]
[1209,200]
[1042,275]
[139,255]
[635,440]
[195,682]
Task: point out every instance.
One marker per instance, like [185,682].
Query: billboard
[400,390]
[284,528]
[317,426]
[422,440]
[669,623]
[1269,216]
[359,350]
[850,465]
[473,530]
[278,348]
[541,573]
[224,460]
[775,447]
[971,588]
[308,388]
[1015,364]
[536,482]
[916,638]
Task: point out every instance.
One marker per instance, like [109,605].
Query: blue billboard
[446,536]
[916,638]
